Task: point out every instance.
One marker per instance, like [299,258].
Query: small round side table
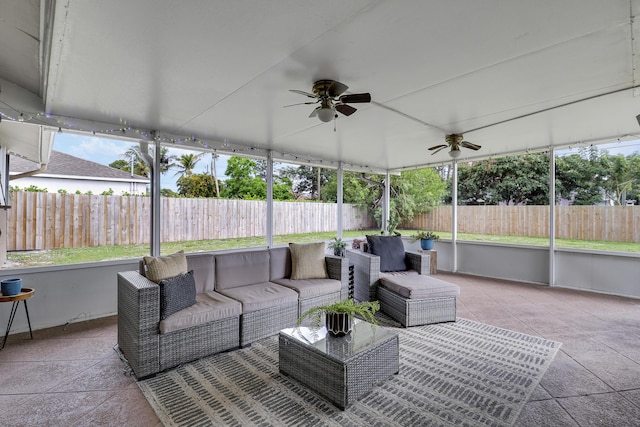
[23,296]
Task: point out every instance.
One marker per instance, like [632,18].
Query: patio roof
[511,76]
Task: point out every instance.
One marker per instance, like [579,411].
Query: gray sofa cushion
[280,263]
[261,295]
[418,286]
[209,307]
[241,269]
[203,271]
[310,288]
[390,249]
[177,293]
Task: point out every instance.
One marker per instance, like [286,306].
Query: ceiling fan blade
[314,112]
[438,148]
[467,144]
[300,103]
[355,98]
[336,89]
[345,109]
[301,92]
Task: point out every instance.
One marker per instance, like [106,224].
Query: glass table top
[364,336]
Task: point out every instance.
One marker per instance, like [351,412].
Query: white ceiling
[511,75]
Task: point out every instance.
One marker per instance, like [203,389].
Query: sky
[106,151]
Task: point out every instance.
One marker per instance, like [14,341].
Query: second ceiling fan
[329,94]
[455,141]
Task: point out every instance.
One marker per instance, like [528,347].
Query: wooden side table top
[24,294]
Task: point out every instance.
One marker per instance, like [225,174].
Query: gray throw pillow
[177,293]
[390,250]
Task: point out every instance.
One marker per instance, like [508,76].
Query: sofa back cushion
[280,263]
[241,269]
[308,261]
[165,267]
[203,271]
[390,249]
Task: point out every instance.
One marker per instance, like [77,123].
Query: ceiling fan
[328,93]
[454,141]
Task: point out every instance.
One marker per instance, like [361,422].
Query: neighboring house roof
[62,165]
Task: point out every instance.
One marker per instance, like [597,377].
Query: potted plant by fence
[427,239]
[338,246]
[339,315]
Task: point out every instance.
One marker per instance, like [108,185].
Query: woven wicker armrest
[419,262]
[338,269]
[138,319]
[367,274]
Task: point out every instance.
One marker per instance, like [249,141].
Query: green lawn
[103,253]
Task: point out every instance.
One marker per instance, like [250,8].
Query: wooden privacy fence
[38,221]
[603,223]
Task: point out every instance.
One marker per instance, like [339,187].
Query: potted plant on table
[427,239]
[339,315]
[338,246]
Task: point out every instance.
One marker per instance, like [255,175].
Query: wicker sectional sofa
[241,296]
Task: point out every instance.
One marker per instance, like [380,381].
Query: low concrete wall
[86,291]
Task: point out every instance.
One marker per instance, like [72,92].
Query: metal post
[386,202]
[269,198]
[340,198]
[155,196]
[454,217]
[552,216]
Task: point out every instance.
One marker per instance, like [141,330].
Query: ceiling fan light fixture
[325,114]
[454,153]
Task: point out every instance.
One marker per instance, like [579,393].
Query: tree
[510,179]
[579,177]
[305,180]
[140,167]
[197,185]
[244,181]
[186,164]
[412,192]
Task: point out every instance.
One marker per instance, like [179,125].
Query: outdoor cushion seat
[260,296]
[417,286]
[209,306]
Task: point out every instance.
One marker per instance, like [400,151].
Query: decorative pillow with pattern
[164,267]
[390,249]
[177,293]
[308,261]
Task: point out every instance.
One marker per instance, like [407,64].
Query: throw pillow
[307,261]
[165,267]
[390,250]
[176,294]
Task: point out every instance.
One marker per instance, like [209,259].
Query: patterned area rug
[453,374]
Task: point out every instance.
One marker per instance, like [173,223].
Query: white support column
[155,194]
[269,199]
[340,197]
[386,204]
[454,217]
[552,217]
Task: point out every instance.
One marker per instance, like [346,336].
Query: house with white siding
[65,172]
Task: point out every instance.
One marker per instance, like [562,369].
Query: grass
[104,253]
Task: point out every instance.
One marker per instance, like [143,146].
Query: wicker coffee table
[344,369]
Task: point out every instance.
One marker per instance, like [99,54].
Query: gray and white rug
[452,374]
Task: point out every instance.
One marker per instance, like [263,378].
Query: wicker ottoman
[342,369]
[417,299]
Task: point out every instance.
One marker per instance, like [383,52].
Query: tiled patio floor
[72,377]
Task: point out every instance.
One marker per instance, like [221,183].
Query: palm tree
[140,167]
[186,164]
